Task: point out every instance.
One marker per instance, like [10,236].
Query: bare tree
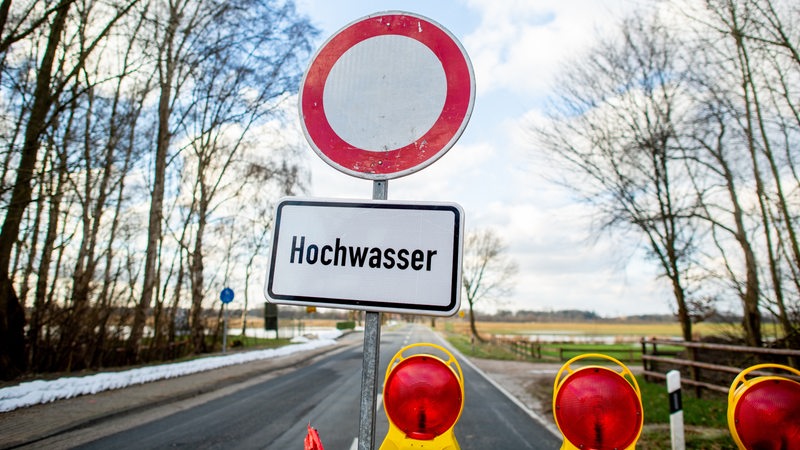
[233,93]
[24,21]
[682,131]
[613,127]
[12,316]
[767,57]
[173,66]
[487,271]
[749,58]
[77,104]
[54,76]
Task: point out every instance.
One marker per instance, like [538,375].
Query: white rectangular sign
[370,255]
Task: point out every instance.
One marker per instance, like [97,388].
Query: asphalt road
[326,394]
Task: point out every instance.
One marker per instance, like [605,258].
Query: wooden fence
[705,365]
[702,365]
[554,352]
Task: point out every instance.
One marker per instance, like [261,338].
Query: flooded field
[587,332]
[572,338]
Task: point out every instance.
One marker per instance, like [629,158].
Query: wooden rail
[537,350]
[704,366]
[698,367]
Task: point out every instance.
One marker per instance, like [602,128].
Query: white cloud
[561,267]
[520,44]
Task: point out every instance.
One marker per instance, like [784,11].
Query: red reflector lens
[422,397]
[767,415]
[596,408]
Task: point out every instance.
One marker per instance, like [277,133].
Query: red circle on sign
[393,163]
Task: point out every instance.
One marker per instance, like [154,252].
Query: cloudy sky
[516,48]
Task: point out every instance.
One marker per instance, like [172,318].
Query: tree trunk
[473,329]
[34,241]
[12,316]
[155,215]
[5,7]
[248,272]
[198,333]
[109,280]
[683,312]
[751,313]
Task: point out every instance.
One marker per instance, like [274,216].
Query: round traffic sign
[386,96]
[226,296]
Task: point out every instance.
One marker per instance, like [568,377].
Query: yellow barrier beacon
[423,396]
[764,411]
[596,407]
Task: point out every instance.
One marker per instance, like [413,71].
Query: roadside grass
[487,350]
[705,418]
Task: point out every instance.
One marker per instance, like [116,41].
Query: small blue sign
[226,296]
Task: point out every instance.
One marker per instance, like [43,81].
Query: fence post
[675,410]
[695,371]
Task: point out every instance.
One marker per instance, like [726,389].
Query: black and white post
[675,410]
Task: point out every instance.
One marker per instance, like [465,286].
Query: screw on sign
[386,96]
[596,407]
[423,396]
[764,412]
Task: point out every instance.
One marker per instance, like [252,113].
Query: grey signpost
[372,350]
[226,296]
[384,97]
[369,380]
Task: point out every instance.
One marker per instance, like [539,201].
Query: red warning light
[423,397]
[597,408]
[764,412]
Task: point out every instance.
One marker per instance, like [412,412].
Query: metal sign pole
[369,378]
[224,328]
[372,344]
